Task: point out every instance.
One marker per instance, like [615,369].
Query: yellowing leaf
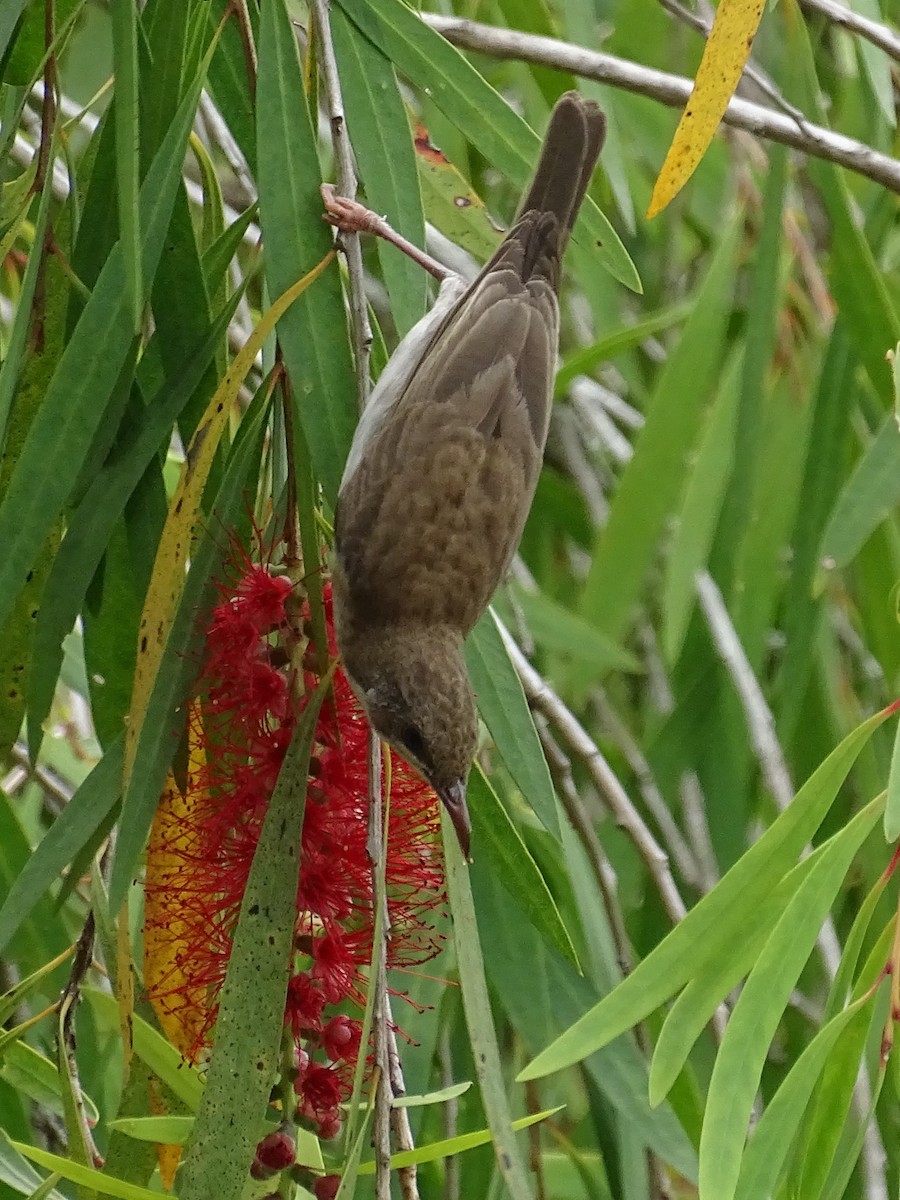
[167,579]
[723,62]
[180,1007]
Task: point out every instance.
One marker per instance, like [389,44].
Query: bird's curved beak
[453,799]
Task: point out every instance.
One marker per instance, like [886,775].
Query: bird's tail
[572,145]
[535,244]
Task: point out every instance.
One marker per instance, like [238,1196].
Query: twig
[604,873]
[879,35]
[349,216]
[408,1177]
[542,697]
[68,1002]
[360,330]
[685,860]
[361,337]
[701,22]
[760,722]
[672,90]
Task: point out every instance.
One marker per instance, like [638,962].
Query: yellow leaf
[180,1007]
[167,578]
[723,62]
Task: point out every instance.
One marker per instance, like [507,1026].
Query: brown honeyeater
[442,472]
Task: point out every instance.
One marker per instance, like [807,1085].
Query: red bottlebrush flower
[319,1090]
[326,1188]
[276,1151]
[340,1039]
[203,844]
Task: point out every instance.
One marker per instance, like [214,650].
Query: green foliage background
[707,585]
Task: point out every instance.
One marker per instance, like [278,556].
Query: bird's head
[415,689]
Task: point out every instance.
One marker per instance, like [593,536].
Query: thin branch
[408,1177]
[701,22]
[760,722]
[672,90]
[361,332]
[879,35]
[542,697]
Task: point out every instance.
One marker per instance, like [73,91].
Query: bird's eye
[414,742]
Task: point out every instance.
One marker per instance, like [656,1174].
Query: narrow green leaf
[69,832]
[382,144]
[440,1097]
[648,490]
[17,1173]
[871,493]
[313,333]
[251,1006]
[505,711]
[760,1007]
[466,99]
[699,937]
[892,806]
[168,1131]
[691,1012]
[700,510]
[91,526]
[34,1075]
[125,65]
[17,335]
[9,17]
[435,1151]
[497,838]
[63,430]
[479,1020]
[182,1079]
[86,1176]
[586,359]
[771,1139]
[557,629]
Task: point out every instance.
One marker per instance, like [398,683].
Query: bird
[442,471]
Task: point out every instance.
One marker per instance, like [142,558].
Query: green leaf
[182,1079]
[870,494]
[62,432]
[168,1131]
[33,1075]
[91,526]
[435,1151]
[587,358]
[505,711]
[479,1020]
[382,144]
[648,490]
[16,1172]
[700,510]
[771,1139]
[69,832]
[892,806]
[86,1176]
[715,921]
[691,1012]
[441,1097]
[759,1009]
[556,628]
[251,1006]
[497,838]
[313,333]
[466,99]
[127,119]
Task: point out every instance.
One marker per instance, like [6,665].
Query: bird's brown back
[429,519]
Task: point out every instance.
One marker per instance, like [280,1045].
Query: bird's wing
[433,510]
